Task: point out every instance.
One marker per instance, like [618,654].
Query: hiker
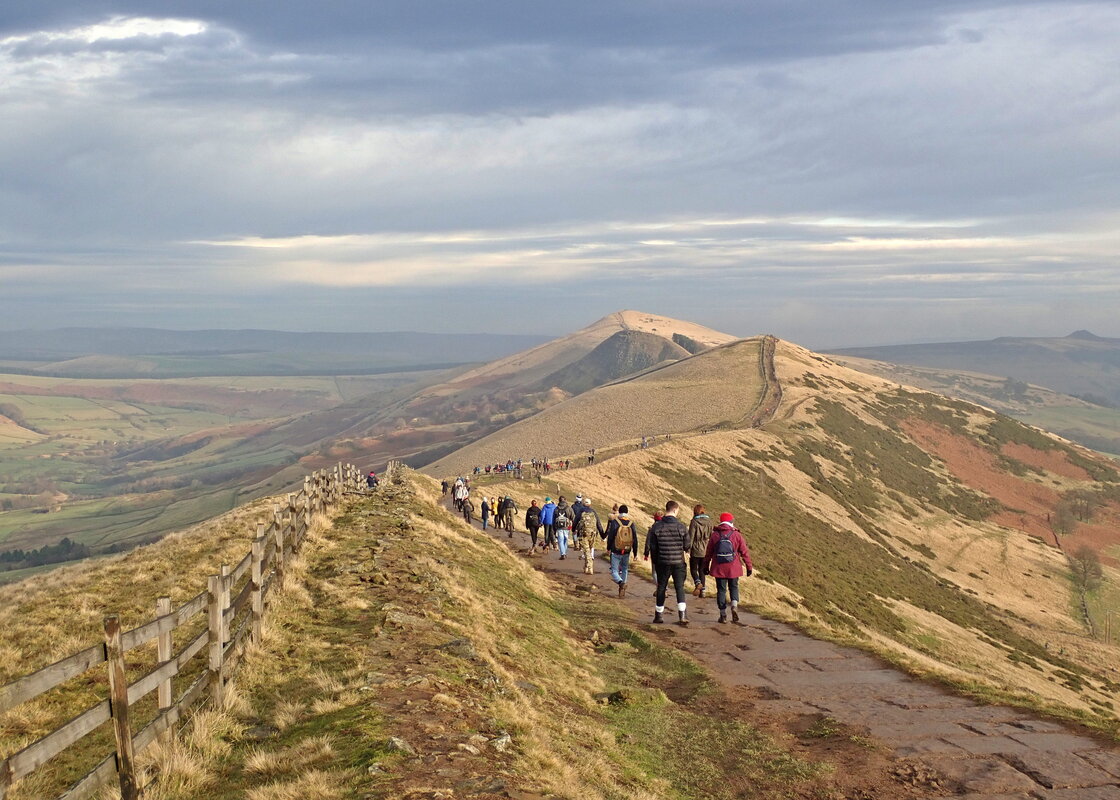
[507,510]
[485,510]
[533,522]
[727,559]
[657,516]
[622,537]
[444,486]
[548,510]
[562,520]
[468,509]
[700,531]
[577,506]
[371,480]
[669,543]
[459,494]
[589,530]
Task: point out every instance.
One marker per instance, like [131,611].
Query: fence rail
[231,623]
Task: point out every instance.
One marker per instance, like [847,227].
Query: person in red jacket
[726,559]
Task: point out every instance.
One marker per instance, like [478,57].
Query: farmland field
[108,463]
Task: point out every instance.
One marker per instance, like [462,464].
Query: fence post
[118,706]
[278,532]
[163,653]
[226,585]
[257,577]
[214,625]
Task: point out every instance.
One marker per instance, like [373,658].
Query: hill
[938,533]
[135,458]
[1090,424]
[716,388]
[1081,364]
[624,353]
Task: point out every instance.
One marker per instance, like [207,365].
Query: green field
[110,462]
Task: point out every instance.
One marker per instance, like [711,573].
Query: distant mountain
[1081,364]
[154,352]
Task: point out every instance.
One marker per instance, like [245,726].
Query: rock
[377,678]
[403,620]
[259,733]
[594,637]
[463,648]
[529,687]
[377,769]
[415,680]
[502,743]
[469,748]
[395,744]
[477,739]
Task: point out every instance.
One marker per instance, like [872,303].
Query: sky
[837,172]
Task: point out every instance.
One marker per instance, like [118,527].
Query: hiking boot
[734,614]
[722,617]
[681,619]
[511,534]
[562,557]
[657,618]
[622,590]
[701,592]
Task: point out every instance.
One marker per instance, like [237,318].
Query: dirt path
[946,744]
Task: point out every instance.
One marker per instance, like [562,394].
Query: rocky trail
[940,744]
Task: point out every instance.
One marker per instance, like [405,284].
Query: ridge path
[982,752]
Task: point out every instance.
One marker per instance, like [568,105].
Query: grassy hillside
[918,526]
[1090,424]
[411,655]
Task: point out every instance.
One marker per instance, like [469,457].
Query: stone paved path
[981,752]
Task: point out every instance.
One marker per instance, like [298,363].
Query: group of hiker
[700,550]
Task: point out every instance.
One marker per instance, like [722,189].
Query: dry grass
[1022,582]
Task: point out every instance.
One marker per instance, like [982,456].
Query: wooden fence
[233,619]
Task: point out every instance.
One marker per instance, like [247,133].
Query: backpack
[587,525]
[725,550]
[561,520]
[533,515]
[624,536]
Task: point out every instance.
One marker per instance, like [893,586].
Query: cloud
[857,153]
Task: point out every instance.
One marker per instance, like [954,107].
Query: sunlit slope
[530,366]
[1088,423]
[912,523]
[717,387]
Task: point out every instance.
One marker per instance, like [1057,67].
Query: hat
[725,517]
[579,497]
[548,499]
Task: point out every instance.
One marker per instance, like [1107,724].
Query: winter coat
[668,540]
[578,511]
[730,569]
[532,517]
[547,511]
[612,532]
[700,529]
[485,510]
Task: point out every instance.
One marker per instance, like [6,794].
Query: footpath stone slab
[986,745]
[1091,793]
[922,747]
[980,775]
[915,729]
[840,682]
[1105,759]
[1056,742]
[1059,770]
